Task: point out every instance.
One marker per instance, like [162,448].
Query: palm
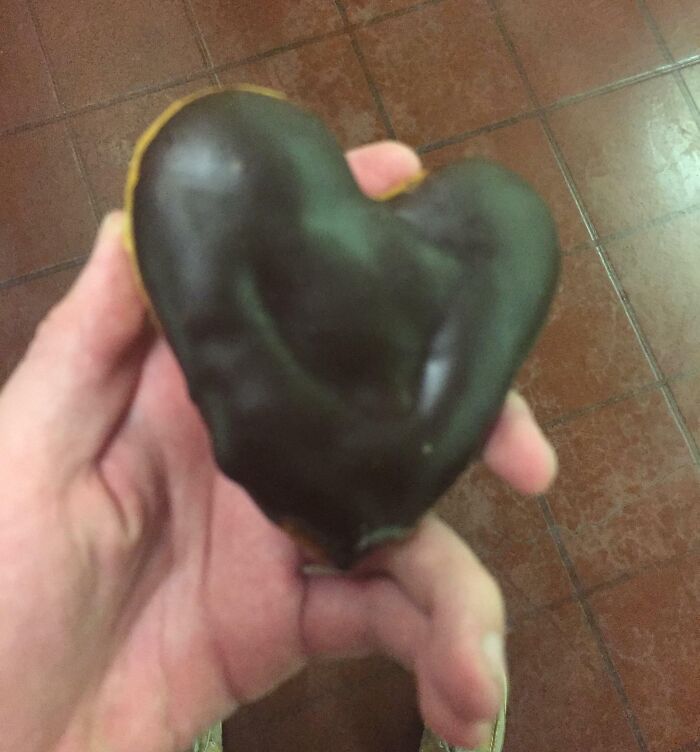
[214,561]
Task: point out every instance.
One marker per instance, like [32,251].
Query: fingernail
[494,650]
[517,402]
[484,733]
[112,223]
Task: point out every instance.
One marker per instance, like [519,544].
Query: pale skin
[144,596]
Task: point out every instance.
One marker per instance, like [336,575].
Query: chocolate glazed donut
[349,355]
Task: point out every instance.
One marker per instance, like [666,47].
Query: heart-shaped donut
[349,355]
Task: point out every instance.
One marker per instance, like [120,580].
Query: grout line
[119,99]
[624,300]
[44,272]
[466,135]
[650,566]
[214,80]
[374,90]
[688,62]
[660,380]
[680,421]
[532,94]
[609,584]
[561,103]
[684,375]
[343,13]
[216,69]
[594,627]
[369,78]
[581,247]
[655,30]
[629,310]
[651,358]
[396,13]
[693,746]
[77,156]
[688,96]
[619,289]
[588,409]
[620,579]
[42,47]
[535,611]
[660,221]
[515,58]
[200,40]
[92,198]
[666,52]
[142,92]
[258,56]
[638,78]
[570,182]
[33,125]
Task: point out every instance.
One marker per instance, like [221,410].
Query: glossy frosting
[348,355]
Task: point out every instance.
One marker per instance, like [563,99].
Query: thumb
[76,380]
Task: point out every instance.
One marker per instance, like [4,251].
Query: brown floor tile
[326,77]
[692,78]
[377,715]
[45,213]
[660,272]
[237,738]
[587,351]
[652,627]
[100,49]
[610,456]
[687,394]
[529,573]
[524,149]
[234,31]
[384,715]
[318,680]
[508,532]
[364,10]
[661,522]
[442,70]
[106,139]
[487,512]
[582,45]
[25,83]
[561,697]
[621,479]
[634,154]
[21,308]
[679,21]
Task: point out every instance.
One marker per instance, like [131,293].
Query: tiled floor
[597,104]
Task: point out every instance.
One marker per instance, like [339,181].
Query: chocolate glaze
[349,356]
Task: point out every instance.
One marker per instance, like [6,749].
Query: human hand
[143,595]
